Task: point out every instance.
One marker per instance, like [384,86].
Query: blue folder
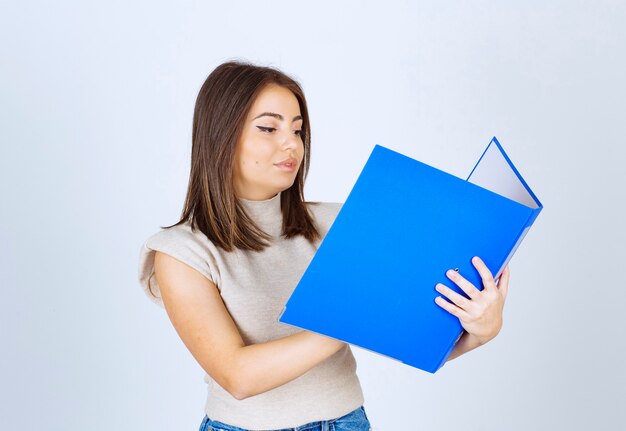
[372,281]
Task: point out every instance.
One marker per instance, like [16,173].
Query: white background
[96,103]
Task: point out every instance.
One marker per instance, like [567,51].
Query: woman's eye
[271,129]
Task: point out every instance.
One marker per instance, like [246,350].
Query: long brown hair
[211,206]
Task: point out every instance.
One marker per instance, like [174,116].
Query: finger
[451,308]
[484,272]
[463,283]
[503,283]
[458,300]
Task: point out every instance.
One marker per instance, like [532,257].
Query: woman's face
[271,135]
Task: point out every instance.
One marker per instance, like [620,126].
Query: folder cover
[372,280]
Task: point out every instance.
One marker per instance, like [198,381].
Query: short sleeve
[184,245]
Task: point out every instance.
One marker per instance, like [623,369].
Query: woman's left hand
[481,314]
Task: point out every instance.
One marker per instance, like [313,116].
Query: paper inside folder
[495,172]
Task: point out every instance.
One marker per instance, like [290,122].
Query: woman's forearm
[466,343]
[264,366]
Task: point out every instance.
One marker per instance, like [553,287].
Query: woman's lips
[287,165]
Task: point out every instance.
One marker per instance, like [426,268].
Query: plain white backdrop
[96,103]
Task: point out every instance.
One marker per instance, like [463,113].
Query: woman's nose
[290,141]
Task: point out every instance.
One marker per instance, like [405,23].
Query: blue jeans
[356,420]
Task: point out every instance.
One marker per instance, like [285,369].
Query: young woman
[224,272]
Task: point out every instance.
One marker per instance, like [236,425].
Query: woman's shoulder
[324,210]
[324,214]
[185,244]
[176,234]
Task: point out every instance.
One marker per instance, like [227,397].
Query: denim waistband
[356,420]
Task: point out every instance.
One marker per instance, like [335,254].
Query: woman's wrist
[466,343]
[476,341]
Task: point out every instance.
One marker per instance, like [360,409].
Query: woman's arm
[466,343]
[481,314]
[195,307]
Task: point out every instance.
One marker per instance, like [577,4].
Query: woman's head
[270,148]
[235,150]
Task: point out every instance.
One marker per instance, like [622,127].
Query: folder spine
[534,215]
[517,241]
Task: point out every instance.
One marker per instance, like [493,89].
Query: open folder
[372,281]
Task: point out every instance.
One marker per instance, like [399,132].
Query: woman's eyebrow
[275,115]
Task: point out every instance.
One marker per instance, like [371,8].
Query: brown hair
[211,206]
